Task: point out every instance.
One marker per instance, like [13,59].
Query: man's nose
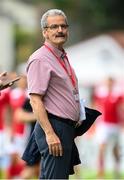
[59,28]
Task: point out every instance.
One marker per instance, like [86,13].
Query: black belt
[64,120]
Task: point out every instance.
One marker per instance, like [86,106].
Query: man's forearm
[41,114]
[53,141]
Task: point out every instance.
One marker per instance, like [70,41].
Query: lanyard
[70,72]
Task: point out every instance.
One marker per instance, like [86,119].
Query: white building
[97,58]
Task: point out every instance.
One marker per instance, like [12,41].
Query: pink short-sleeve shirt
[47,77]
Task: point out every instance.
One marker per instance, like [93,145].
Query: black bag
[91,115]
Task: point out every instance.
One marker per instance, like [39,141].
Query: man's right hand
[54,144]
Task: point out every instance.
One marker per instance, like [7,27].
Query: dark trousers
[56,167]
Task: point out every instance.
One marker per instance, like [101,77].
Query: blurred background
[96,51]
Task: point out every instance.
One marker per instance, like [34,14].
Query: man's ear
[44,33]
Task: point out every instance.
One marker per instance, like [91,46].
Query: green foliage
[86,18]
[90,16]
[94,16]
[23,37]
[24,44]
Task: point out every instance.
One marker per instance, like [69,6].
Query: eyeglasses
[56,26]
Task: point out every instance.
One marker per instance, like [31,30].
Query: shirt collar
[59,53]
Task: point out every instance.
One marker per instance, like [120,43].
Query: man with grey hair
[51,12]
[53,91]
[54,97]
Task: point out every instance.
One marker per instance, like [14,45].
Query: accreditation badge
[82,110]
[76,94]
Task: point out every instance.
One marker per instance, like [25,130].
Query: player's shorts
[4,142]
[107,133]
[4,157]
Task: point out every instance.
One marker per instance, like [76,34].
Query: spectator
[26,115]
